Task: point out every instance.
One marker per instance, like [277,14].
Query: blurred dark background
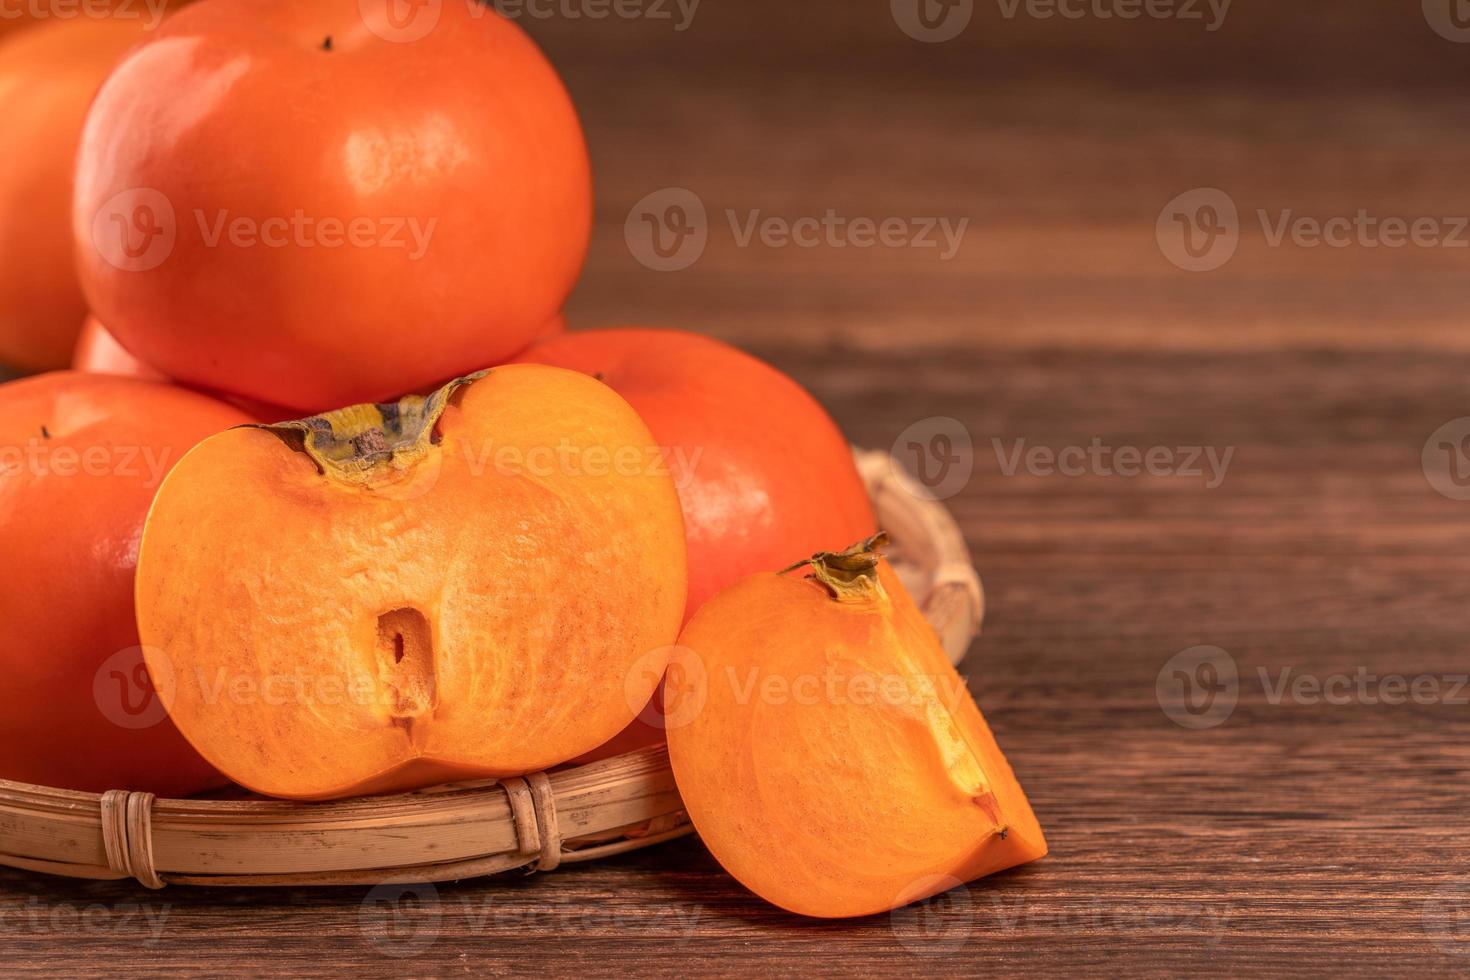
[1060,139]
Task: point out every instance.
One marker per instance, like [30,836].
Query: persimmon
[98,352]
[391,596]
[826,751]
[421,211]
[48,76]
[80,459]
[762,470]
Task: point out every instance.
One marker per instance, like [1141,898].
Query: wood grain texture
[1298,836]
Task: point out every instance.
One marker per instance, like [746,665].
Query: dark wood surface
[1295,837]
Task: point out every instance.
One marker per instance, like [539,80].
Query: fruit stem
[361,444]
[850,575]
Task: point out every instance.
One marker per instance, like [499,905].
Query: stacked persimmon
[484,565]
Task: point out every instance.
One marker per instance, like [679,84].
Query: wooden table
[1303,833]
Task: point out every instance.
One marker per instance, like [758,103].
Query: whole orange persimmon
[81,457]
[326,202]
[98,352]
[48,76]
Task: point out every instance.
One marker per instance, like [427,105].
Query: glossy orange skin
[70,546]
[98,352]
[459,155]
[48,76]
[766,473]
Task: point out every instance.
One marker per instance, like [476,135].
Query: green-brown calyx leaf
[851,575]
[362,444]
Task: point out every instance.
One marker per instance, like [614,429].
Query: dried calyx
[363,444]
[850,575]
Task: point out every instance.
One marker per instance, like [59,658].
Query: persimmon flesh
[480,582]
[826,751]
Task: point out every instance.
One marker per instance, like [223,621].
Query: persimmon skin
[71,543]
[98,352]
[459,155]
[825,796]
[492,597]
[48,76]
[762,470]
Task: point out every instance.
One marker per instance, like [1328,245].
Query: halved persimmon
[390,596]
[828,754]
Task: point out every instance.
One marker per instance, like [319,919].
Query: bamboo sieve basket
[465,830]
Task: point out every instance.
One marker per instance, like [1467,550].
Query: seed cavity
[405,659]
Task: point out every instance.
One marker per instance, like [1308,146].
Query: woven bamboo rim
[536,822]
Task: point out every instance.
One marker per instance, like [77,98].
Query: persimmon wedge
[828,754]
[467,584]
